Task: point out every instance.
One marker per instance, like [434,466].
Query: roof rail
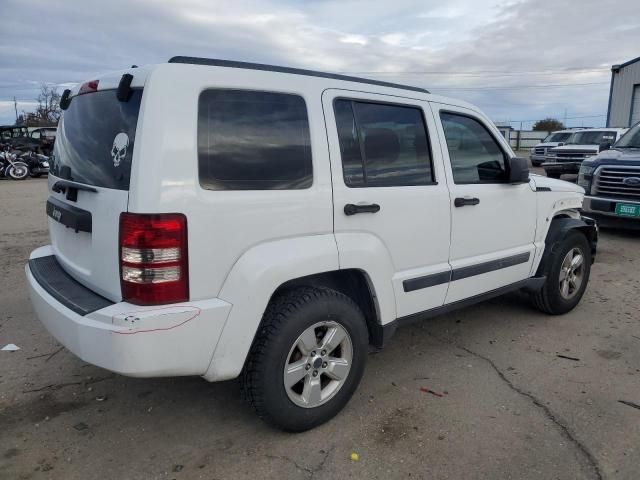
[296,71]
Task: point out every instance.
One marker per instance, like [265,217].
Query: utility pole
[15,107]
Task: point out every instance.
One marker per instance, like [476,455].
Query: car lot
[493,391]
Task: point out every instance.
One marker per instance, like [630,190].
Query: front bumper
[166,340]
[604,210]
[562,167]
[536,159]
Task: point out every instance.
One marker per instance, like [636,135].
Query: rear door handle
[461,202]
[352,209]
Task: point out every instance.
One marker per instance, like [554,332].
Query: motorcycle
[10,167]
[38,164]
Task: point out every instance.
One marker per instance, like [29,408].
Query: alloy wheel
[571,273]
[318,364]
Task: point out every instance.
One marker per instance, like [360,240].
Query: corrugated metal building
[624,95]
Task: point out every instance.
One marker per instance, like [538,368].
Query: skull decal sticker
[119,149]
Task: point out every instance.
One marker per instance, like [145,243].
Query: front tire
[307,359]
[18,171]
[567,271]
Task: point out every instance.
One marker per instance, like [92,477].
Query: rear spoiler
[123,92]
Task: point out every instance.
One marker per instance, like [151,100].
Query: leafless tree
[48,110]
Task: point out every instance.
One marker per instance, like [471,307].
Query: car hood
[555,185]
[622,155]
[563,148]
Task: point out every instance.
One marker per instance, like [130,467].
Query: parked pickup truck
[555,139]
[227,219]
[612,182]
[580,146]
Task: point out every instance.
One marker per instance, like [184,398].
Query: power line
[566,118]
[496,87]
[479,72]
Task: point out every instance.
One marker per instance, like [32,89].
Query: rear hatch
[89,185]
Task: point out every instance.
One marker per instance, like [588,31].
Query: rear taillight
[153,258]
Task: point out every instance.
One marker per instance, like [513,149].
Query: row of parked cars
[607,161]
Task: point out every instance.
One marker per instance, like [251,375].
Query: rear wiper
[71,188]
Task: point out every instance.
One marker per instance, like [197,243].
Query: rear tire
[566,281]
[296,340]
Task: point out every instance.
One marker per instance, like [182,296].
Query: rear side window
[95,139]
[382,145]
[249,140]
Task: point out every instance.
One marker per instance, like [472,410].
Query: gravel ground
[507,404]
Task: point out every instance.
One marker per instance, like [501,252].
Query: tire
[536,164]
[18,171]
[35,175]
[551,298]
[279,342]
[553,174]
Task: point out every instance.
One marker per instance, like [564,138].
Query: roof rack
[296,71]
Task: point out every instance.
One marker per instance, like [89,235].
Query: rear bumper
[166,340]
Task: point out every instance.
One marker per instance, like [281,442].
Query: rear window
[557,137]
[95,139]
[250,140]
[382,145]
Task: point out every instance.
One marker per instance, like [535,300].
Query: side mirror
[604,146]
[560,144]
[518,170]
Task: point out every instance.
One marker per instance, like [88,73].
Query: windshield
[631,139]
[95,139]
[557,137]
[592,137]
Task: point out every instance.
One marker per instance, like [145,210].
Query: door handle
[352,209]
[461,202]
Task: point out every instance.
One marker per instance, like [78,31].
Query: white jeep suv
[228,219]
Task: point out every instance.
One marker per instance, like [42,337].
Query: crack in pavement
[593,463]
[58,386]
[310,471]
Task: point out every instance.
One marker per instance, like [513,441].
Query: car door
[492,221]
[391,204]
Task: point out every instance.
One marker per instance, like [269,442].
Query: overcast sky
[493,53]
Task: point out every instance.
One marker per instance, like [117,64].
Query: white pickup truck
[227,219]
[554,139]
[583,144]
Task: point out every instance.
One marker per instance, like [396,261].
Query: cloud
[497,38]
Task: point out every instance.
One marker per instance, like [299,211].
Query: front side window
[250,140]
[382,145]
[475,155]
